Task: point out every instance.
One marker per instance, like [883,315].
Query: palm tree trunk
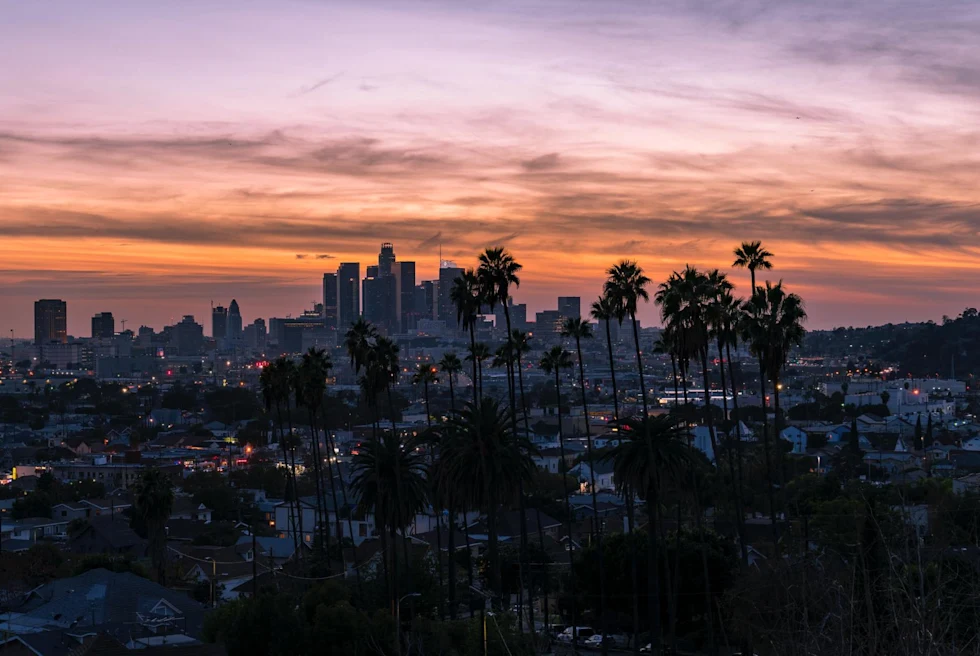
[738,433]
[675,593]
[453,605]
[522,569]
[768,456]
[639,365]
[469,561]
[333,495]
[398,485]
[736,493]
[595,503]
[612,372]
[476,391]
[292,456]
[393,539]
[432,461]
[290,482]
[318,530]
[709,420]
[568,514]
[653,563]
[527,433]
[332,447]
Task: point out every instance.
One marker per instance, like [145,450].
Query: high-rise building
[386,259]
[187,336]
[254,334]
[219,323]
[405,310]
[547,324]
[330,300]
[234,332]
[518,317]
[570,307]
[380,300]
[348,295]
[425,299]
[50,321]
[448,272]
[103,326]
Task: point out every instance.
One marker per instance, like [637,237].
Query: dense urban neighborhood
[423,469]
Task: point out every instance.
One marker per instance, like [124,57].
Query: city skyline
[146,184]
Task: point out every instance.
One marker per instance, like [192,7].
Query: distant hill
[950,348]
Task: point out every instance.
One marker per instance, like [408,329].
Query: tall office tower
[254,334]
[348,295]
[379,300]
[518,317]
[425,299]
[386,259]
[547,324]
[234,322]
[405,309]
[570,307]
[103,326]
[219,323]
[448,272]
[330,300]
[50,321]
[187,336]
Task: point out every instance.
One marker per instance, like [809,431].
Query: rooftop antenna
[123,322]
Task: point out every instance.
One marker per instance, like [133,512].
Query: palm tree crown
[752,256]
[497,273]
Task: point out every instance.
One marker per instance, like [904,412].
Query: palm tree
[451,366]
[650,455]
[390,479]
[751,255]
[772,325]
[553,362]
[604,310]
[579,329]
[425,374]
[626,286]
[466,295]
[357,342]
[310,383]
[486,461]
[274,387]
[153,504]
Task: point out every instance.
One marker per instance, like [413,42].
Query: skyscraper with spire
[234,332]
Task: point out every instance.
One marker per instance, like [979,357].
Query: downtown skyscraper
[50,321]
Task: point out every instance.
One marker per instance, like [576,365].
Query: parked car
[612,640]
[583,633]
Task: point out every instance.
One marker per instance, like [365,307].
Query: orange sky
[155,158]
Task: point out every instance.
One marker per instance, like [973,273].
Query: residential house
[185,508]
[795,436]
[35,529]
[107,506]
[107,535]
[602,470]
[100,597]
[70,510]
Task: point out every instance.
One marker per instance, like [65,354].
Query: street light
[398,620]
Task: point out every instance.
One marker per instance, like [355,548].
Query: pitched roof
[99,596]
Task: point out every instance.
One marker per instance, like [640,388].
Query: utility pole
[255,556]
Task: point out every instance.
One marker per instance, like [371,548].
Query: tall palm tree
[357,342]
[650,455]
[466,295]
[498,273]
[772,325]
[604,310]
[153,504]
[425,375]
[275,386]
[310,383]
[553,362]
[451,366]
[486,461]
[579,329]
[626,285]
[390,479]
[751,255]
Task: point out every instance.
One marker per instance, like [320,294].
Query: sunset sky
[157,155]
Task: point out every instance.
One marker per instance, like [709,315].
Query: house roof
[279,547]
[99,596]
[107,504]
[114,530]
